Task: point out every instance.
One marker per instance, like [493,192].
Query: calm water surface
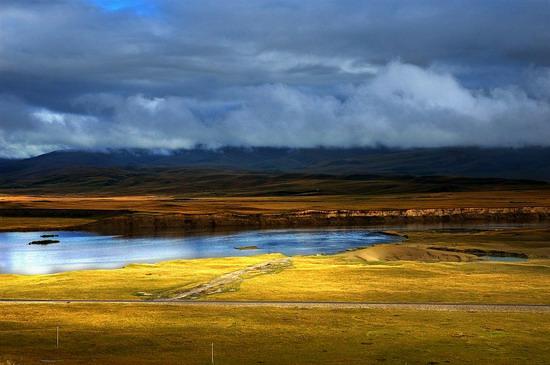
[84,250]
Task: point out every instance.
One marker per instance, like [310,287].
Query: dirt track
[220,284]
[330,305]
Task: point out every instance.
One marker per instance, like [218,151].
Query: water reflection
[84,250]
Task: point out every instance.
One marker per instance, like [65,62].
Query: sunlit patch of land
[401,276]
[343,277]
[130,282]
[333,279]
[459,244]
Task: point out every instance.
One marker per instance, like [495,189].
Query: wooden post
[57,338]
[212,353]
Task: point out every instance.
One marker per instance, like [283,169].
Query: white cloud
[401,106]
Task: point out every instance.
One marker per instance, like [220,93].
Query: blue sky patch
[141,7]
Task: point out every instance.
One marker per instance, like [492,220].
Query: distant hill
[219,182]
[522,163]
[278,171]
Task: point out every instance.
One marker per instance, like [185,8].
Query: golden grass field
[145,334]
[331,278]
[123,283]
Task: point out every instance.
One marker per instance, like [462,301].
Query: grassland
[310,278]
[141,334]
[314,278]
[124,283]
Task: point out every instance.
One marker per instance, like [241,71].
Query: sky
[170,74]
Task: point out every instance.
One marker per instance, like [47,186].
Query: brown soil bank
[407,253]
[138,222]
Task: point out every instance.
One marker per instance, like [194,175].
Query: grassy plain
[334,279]
[145,334]
[126,282]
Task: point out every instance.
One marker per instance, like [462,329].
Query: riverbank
[143,222]
[89,251]
[150,213]
[349,276]
[308,278]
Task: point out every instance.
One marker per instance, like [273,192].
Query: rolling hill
[522,163]
[278,171]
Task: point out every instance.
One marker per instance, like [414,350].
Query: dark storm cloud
[171,74]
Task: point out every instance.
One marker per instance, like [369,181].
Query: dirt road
[305,304]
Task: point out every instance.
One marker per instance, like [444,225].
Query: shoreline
[403,248]
[143,223]
[155,222]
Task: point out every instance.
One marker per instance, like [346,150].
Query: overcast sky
[165,74]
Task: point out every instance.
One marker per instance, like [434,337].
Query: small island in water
[43,242]
[242,248]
